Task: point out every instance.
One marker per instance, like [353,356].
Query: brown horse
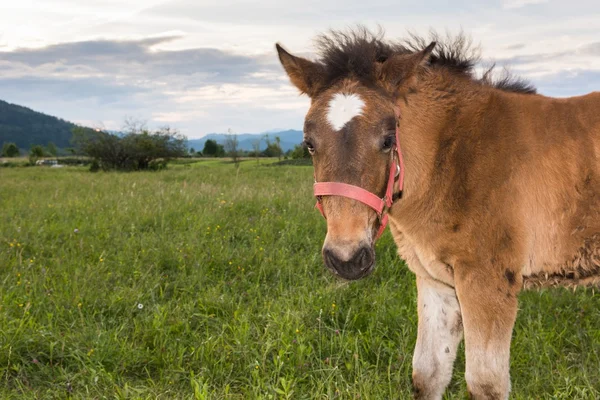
[501,190]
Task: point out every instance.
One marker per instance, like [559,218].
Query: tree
[278,143]
[35,153]
[102,147]
[231,147]
[256,149]
[273,149]
[10,150]
[213,149]
[153,149]
[23,126]
[131,125]
[210,148]
[192,152]
[299,151]
[51,147]
[139,149]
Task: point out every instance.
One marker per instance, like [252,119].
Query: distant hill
[289,139]
[26,127]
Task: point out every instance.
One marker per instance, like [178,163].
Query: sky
[210,66]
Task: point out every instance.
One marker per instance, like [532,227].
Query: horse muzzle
[351,266]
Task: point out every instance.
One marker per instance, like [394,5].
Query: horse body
[560,185]
[511,170]
[511,201]
[501,192]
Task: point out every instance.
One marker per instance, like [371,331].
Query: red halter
[380,205]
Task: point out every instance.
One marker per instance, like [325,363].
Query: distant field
[203,282]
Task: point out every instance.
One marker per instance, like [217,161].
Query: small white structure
[50,163]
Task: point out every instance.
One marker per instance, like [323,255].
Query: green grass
[206,282]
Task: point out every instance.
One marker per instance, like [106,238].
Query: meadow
[206,282]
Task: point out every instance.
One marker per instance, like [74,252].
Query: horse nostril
[363,258]
[330,259]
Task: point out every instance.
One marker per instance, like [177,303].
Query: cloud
[570,83]
[208,66]
[135,59]
[516,46]
[592,49]
[177,116]
[511,4]
[541,66]
[102,91]
[170,86]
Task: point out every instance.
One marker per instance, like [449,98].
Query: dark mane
[355,52]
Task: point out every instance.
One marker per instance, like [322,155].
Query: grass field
[200,282]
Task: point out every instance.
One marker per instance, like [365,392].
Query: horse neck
[430,116]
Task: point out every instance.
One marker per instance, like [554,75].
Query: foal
[501,189]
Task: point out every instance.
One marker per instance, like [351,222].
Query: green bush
[94,166]
[74,161]
[35,153]
[213,149]
[299,151]
[140,149]
[10,150]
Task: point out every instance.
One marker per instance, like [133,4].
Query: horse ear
[306,75]
[402,67]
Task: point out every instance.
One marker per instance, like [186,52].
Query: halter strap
[378,204]
[351,191]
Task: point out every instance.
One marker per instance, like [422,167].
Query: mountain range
[27,128]
[289,138]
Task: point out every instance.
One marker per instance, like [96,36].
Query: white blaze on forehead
[342,108]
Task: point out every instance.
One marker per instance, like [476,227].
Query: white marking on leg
[440,331]
[342,108]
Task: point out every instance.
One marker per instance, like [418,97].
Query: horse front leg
[439,333]
[488,300]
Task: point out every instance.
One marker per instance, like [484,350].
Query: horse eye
[308,144]
[389,142]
